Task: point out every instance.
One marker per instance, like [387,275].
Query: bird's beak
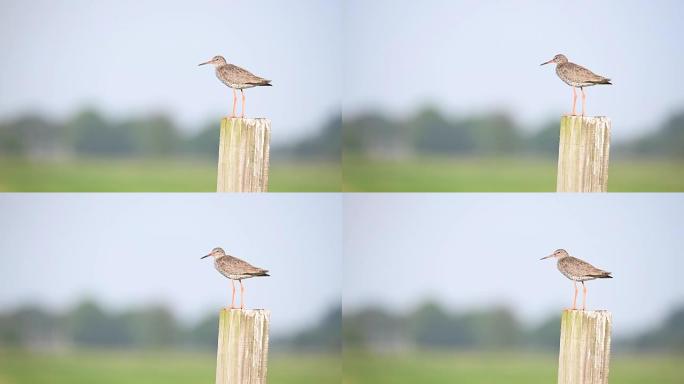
[210,253]
[546,257]
[206,62]
[546,62]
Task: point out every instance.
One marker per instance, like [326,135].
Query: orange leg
[574,100]
[232,300]
[243,103]
[584,298]
[584,100]
[234,104]
[242,297]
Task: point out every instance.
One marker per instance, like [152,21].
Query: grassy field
[498,175]
[153,368]
[116,175]
[109,367]
[422,175]
[498,368]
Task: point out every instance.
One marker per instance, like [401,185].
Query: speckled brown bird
[236,78]
[577,270]
[234,269]
[576,76]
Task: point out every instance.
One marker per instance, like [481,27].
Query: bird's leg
[574,100]
[242,297]
[234,104]
[584,297]
[243,103]
[232,300]
[584,100]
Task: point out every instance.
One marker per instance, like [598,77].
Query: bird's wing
[242,76]
[236,265]
[584,75]
[582,267]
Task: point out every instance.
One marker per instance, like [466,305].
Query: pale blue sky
[463,56]
[464,250]
[475,56]
[136,57]
[134,249]
[476,250]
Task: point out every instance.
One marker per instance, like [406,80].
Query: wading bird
[236,78]
[576,76]
[577,270]
[234,269]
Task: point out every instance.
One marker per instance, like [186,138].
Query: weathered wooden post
[243,155]
[242,353]
[584,347]
[583,154]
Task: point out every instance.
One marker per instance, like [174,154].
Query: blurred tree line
[428,326]
[89,133]
[151,327]
[496,133]
[431,326]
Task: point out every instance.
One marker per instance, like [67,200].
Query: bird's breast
[224,80]
[566,272]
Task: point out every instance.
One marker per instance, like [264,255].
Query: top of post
[587,311]
[248,120]
[585,118]
[571,314]
[246,312]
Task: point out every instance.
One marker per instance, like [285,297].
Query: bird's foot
[232,117]
[570,309]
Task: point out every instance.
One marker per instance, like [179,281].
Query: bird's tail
[263,272]
[602,81]
[260,83]
[604,275]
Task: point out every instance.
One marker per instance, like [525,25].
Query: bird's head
[558,253]
[558,59]
[216,60]
[215,253]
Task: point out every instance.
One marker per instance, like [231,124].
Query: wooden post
[583,154]
[243,155]
[242,353]
[584,347]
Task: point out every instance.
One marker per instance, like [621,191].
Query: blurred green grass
[154,175]
[443,174]
[108,367]
[494,368]
[428,174]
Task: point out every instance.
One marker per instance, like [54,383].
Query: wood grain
[583,154]
[242,354]
[584,347]
[243,159]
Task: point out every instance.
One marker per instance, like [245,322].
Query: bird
[234,269]
[577,270]
[236,78]
[576,76]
